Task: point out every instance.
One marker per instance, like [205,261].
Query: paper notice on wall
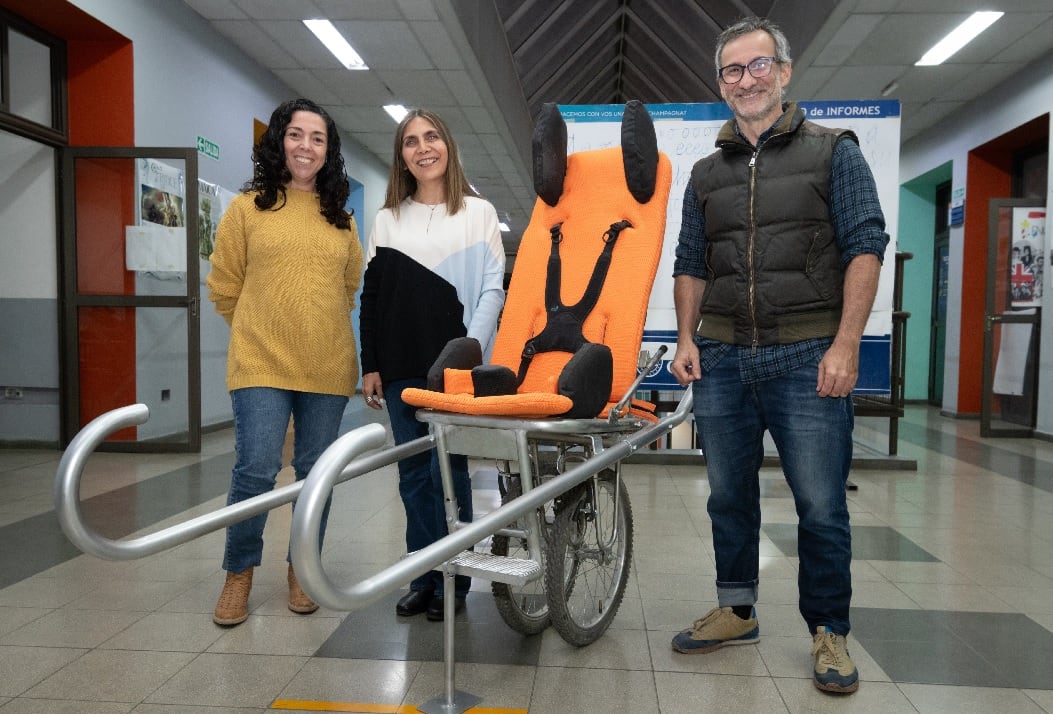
[1011,363]
[155,248]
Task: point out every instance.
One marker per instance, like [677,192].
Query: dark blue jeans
[261,420]
[420,486]
[813,436]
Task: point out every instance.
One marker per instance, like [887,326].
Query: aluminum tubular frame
[345,459]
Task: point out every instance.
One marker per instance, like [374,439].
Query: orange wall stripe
[986,179]
[101,94]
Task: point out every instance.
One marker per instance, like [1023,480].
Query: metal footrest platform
[514,571]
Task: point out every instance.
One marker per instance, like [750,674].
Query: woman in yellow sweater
[285,269]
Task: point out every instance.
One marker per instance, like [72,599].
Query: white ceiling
[454,56]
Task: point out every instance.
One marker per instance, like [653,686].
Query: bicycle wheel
[525,608]
[588,565]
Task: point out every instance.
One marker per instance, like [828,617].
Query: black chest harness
[563,329]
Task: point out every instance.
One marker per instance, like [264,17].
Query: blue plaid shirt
[859,226]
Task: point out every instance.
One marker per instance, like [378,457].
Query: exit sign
[208,148]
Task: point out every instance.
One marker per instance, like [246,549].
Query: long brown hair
[401,183]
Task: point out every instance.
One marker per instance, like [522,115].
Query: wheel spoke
[592,548]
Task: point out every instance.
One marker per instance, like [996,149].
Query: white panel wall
[29,267]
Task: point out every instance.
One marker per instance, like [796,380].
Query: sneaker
[298,600]
[834,670]
[718,628]
[233,605]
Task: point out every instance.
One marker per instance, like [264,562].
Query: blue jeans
[813,435]
[261,420]
[420,485]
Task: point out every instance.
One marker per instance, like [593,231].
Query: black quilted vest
[774,267]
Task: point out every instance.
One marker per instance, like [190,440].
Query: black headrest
[550,153]
[639,151]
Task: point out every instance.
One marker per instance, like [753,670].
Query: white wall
[1028,95]
[189,82]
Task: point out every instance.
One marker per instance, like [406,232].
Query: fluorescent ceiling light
[958,38]
[335,42]
[503,227]
[396,111]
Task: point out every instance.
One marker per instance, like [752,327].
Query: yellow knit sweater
[285,282]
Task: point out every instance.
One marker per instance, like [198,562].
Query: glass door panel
[1016,236]
[130,316]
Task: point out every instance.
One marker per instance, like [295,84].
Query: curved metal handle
[71,469]
[306,522]
[331,468]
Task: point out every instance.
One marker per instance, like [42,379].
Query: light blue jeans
[813,436]
[261,420]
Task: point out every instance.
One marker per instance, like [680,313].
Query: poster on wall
[157,243]
[212,201]
[686,133]
[1027,263]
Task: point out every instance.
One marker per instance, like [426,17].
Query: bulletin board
[687,133]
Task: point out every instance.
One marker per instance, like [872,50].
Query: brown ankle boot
[298,600]
[233,605]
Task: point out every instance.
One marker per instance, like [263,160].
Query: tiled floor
[952,611]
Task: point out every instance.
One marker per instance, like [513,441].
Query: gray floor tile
[375,632]
[25,667]
[63,706]
[72,628]
[11,618]
[558,690]
[114,514]
[929,699]
[800,695]
[868,543]
[501,687]
[229,680]
[167,632]
[380,682]
[958,648]
[680,693]
[91,677]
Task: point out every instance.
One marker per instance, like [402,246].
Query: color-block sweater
[430,277]
[285,281]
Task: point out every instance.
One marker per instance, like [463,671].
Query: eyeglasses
[759,67]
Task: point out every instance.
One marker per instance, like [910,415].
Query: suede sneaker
[834,670]
[718,628]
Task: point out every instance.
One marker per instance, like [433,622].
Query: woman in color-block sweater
[435,271]
[285,268]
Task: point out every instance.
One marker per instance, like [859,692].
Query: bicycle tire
[525,608]
[585,575]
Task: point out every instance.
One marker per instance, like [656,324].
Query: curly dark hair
[270,174]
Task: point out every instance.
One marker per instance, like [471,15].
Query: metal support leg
[454,702]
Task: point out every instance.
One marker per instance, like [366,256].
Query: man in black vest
[776,270]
